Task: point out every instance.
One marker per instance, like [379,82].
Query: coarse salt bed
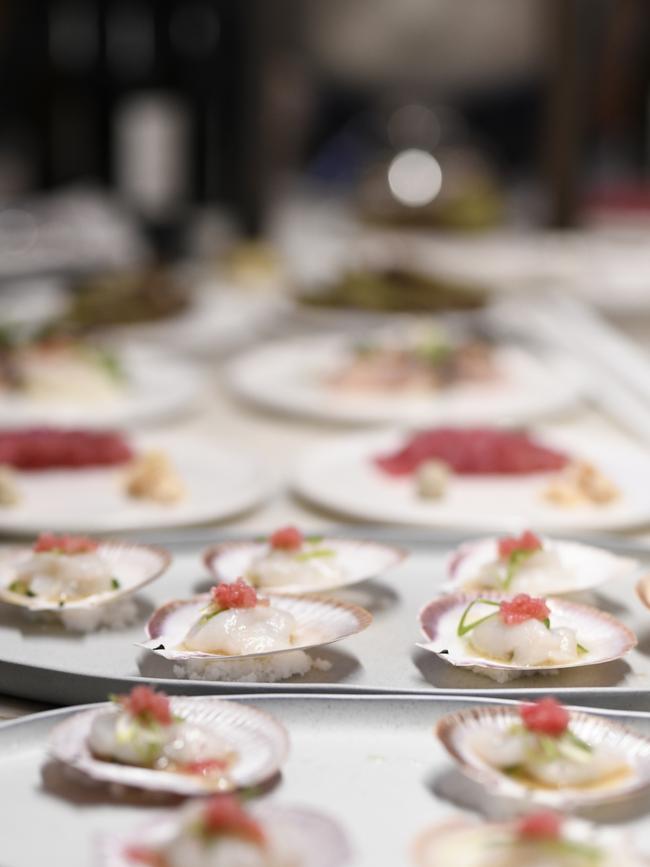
[256,669]
[502,675]
[114,615]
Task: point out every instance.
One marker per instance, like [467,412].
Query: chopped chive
[115,584]
[303,556]
[578,742]
[462,628]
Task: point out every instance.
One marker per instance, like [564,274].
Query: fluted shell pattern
[443,844]
[260,741]
[133,565]
[320,621]
[457,733]
[643,590]
[605,637]
[316,840]
[357,560]
[586,566]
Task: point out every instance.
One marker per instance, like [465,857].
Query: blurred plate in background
[152,385]
[221,482]
[341,476]
[291,377]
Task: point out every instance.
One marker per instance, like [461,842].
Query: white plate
[158,385]
[340,475]
[221,482]
[290,377]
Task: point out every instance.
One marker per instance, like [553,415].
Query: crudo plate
[157,385]
[340,475]
[291,377]
[220,482]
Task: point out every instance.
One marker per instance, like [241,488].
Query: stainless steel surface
[40,663]
[372,763]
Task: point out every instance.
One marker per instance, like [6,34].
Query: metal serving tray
[47,664]
[371,762]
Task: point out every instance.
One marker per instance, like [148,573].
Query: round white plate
[291,377]
[158,385]
[221,482]
[340,475]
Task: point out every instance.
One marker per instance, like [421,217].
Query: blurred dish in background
[181,309]
[419,373]
[79,481]
[492,483]
[54,380]
[125,298]
[393,288]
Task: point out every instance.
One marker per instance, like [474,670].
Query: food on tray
[64,569]
[518,630]
[579,484]
[474,451]
[9,493]
[52,448]
[288,561]
[214,833]
[221,832]
[60,368]
[152,476]
[125,297]
[534,564]
[141,729]
[232,633]
[236,621]
[422,360]
[394,289]
[186,746]
[546,753]
[79,581]
[539,839]
[543,751]
[505,636]
[291,558]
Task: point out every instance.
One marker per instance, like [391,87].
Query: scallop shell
[443,843]
[358,559]
[643,590]
[261,742]
[132,564]
[316,616]
[317,840]
[605,637]
[455,732]
[588,566]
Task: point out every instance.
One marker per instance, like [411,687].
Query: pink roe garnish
[223,814]
[540,826]
[545,717]
[206,767]
[143,855]
[239,594]
[286,539]
[147,706]
[523,607]
[48,542]
[528,541]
